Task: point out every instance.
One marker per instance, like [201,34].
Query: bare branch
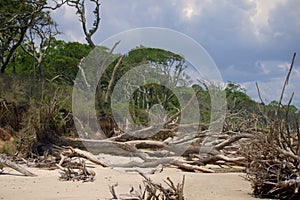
[81,11]
[259,94]
[285,83]
[231,140]
[112,79]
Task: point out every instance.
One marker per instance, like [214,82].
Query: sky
[249,40]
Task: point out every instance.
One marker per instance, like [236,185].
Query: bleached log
[74,152]
[101,146]
[4,161]
[231,140]
[148,164]
[216,158]
[190,167]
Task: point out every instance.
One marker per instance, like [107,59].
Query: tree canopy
[16,18]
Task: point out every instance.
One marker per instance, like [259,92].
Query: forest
[39,74]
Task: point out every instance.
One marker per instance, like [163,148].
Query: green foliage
[9,148]
[203,98]
[164,65]
[34,109]
[16,18]
[286,112]
[21,63]
[237,99]
[63,59]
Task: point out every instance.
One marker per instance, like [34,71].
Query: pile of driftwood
[182,152]
[151,190]
[153,153]
[273,169]
[76,171]
[274,157]
[73,167]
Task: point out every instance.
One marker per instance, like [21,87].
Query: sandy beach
[46,185]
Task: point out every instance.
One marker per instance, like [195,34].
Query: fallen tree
[5,162]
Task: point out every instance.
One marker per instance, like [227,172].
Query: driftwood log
[4,161]
[70,152]
[154,152]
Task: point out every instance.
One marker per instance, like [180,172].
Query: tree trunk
[11,51]
[41,71]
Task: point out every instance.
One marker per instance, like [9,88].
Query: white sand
[198,186]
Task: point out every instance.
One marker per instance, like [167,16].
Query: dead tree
[80,6]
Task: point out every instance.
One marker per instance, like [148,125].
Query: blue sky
[249,40]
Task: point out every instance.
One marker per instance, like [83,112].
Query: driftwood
[231,140]
[147,144]
[215,158]
[100,146]
[4,161]
[151,190]
[190,167]
[76,172]
[157,191]
[72,170]
[154,153]
[74,152]
[275,162]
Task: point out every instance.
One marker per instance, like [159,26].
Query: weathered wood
[147,144]
[214,159]
[232,140]
[6,162]
[76,173]
[74,152]
[148,164]
[190,167]
[101,146]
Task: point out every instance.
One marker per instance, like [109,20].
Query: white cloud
[69,24]
[264,68]
[271,87]
[261,16]
[297,74]
[284,66]
[69,13]
[273,67]
[191,9]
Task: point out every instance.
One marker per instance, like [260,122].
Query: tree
[237,99]
[16,17]
[21,63]
[80,6]
[63,58]
[167,70]
[41,34]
